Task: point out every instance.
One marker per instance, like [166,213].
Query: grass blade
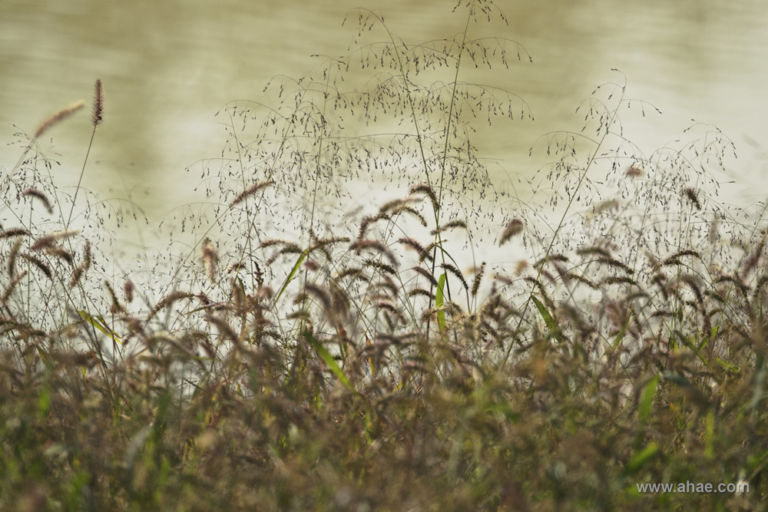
[640,458]
[292,274]
[100,324]
[646,398]
[329,361]
[439,301]
[548,319]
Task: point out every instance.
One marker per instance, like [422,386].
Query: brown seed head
[634,172]
[128,290]
[98,104]
[33,192]
[690,193]
[514,227]
[56,117]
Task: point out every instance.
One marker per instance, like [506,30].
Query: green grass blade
[640,458]
[100,324]
[439,301]
[758,394]
[694,348]
[712,334]
[727,366]
[646,398]
[292,274]
[548,319]
[329,361]
[623,330]
[709,434]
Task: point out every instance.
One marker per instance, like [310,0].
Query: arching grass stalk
[248,239]
[318,164]
[43,127]
[96,119]
[298,359]
[98,109]
[85,311]
[271,169]
[419,139]
[560,224]
[269,174]
[408,95]
[439,235]
[51,121]
[415,119]
[46,125]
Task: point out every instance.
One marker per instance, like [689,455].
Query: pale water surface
[168,66]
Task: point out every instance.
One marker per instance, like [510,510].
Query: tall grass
[301,356]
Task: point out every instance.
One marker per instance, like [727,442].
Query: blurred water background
[168,66]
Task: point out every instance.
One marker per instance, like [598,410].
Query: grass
[289,361]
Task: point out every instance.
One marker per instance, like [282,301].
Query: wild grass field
[295,356]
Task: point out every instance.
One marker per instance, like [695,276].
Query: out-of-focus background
[168,66]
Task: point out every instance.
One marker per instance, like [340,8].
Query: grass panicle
[57,117]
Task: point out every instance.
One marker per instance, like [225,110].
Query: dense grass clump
[293,361]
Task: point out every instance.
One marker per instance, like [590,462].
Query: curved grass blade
[439,301]
[548,319]
[623,330]
[370,359]
[641,457]
[100,324]
[646,398]
[329,361]
[292,274]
